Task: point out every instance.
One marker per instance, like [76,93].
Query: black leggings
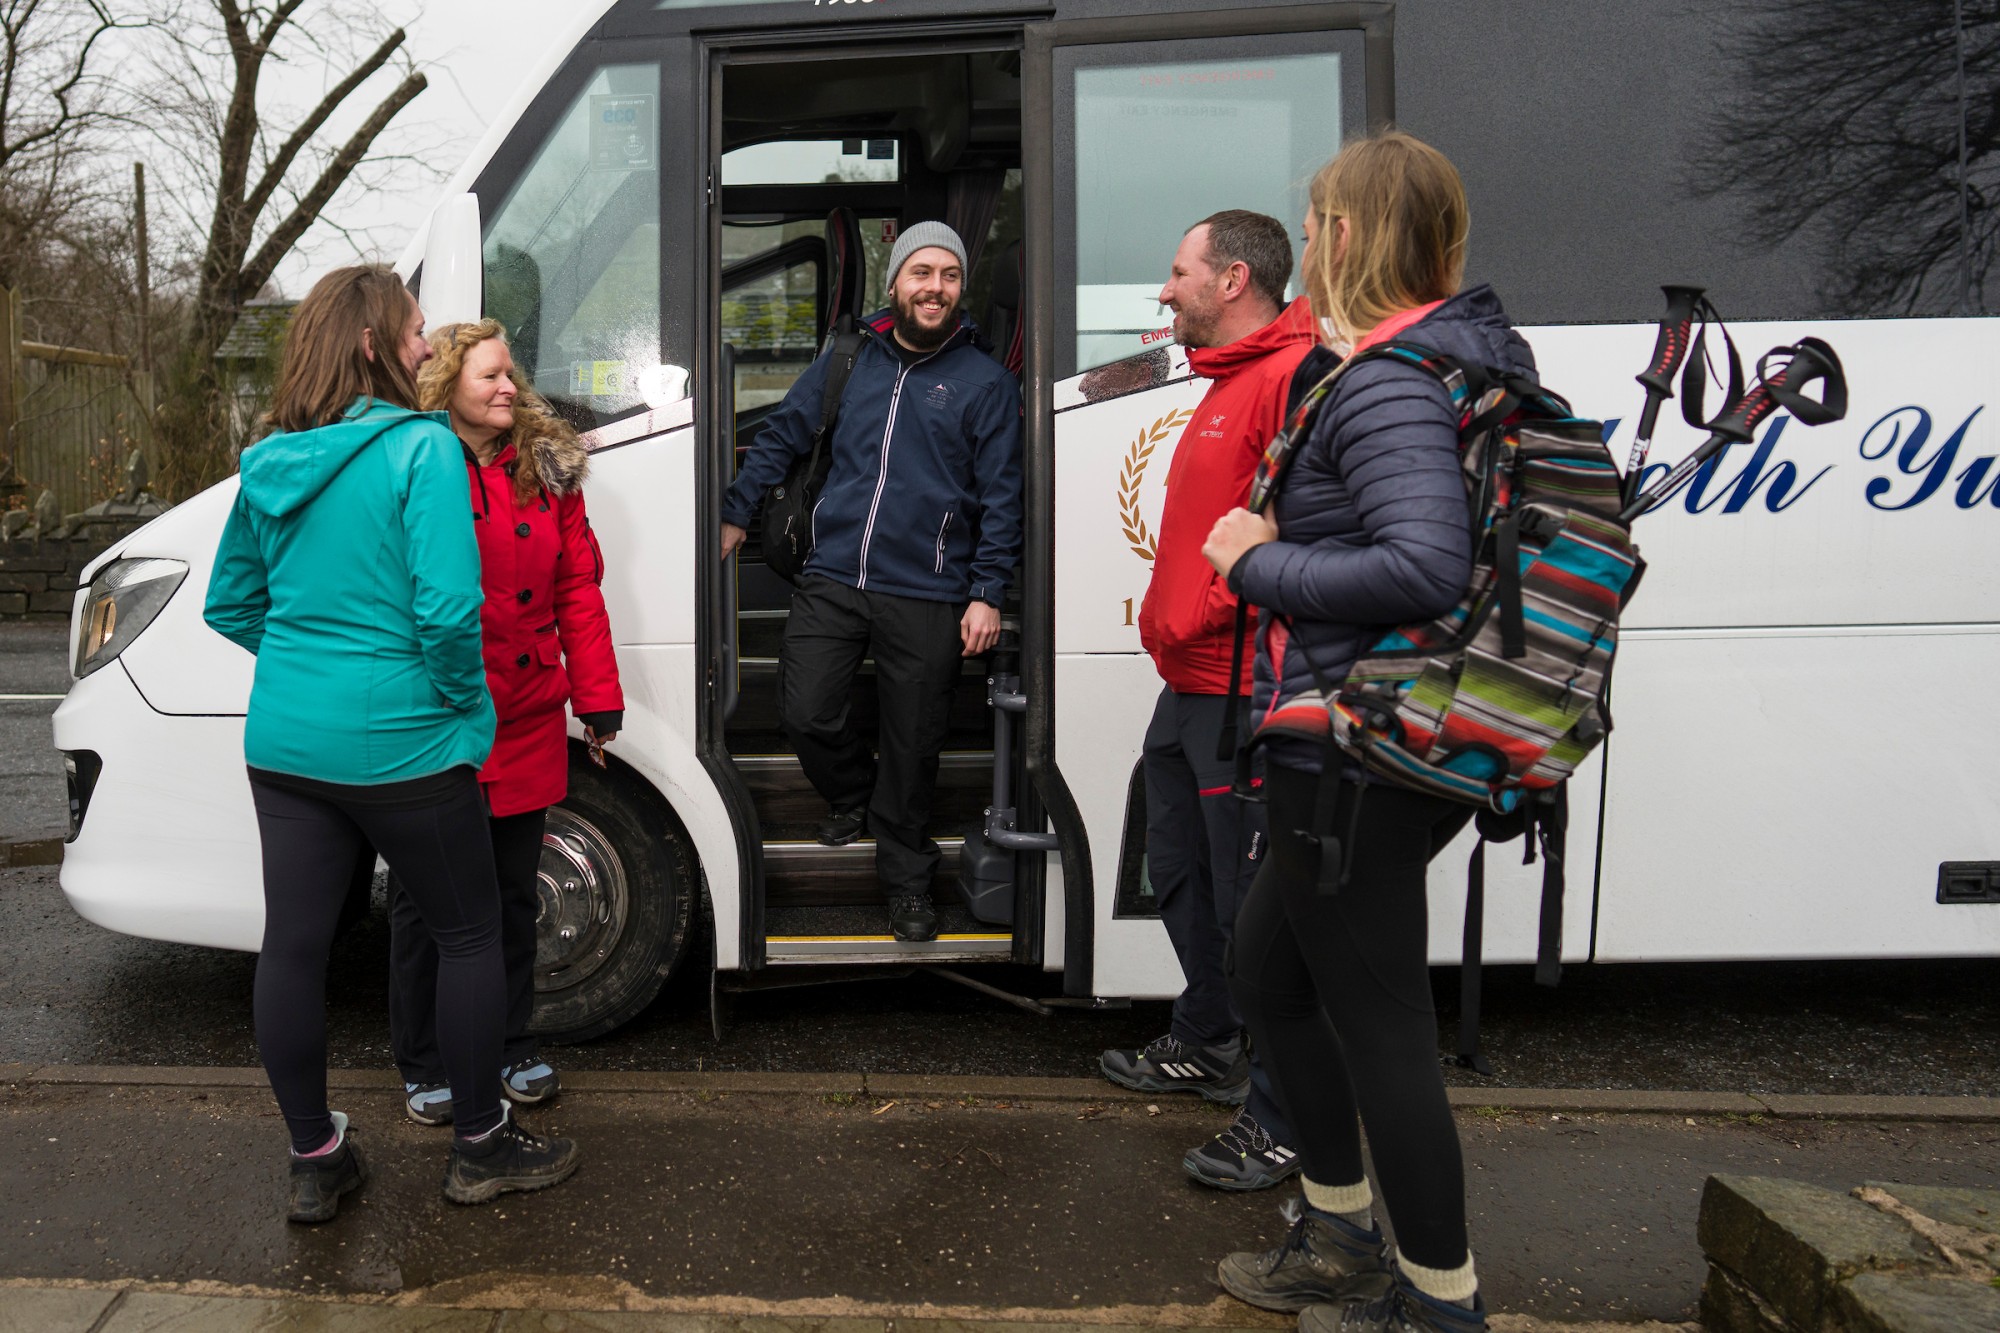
[413,956]
[441,852]
[1336,990]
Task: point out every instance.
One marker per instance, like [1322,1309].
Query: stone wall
[38,576]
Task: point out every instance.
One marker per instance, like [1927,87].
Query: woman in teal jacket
[349,568]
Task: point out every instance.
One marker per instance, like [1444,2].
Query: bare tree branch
[288,152]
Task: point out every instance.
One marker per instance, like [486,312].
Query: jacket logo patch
[938,395]
[1138,536]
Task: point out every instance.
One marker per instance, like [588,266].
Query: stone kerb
[1785,1256]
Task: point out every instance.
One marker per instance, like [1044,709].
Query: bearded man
[915,536]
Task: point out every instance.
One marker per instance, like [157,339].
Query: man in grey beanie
[915,535]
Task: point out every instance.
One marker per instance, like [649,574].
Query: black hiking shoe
[318,1182]
[1323,1258]
[1400,1309]
[427,1103]
[529,1084]
[1242,1157]
[1219,1073]
[842,827]
[510,1158]
[913,918]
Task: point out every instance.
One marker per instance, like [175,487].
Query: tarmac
[151,1198]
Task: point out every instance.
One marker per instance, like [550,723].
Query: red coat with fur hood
[547,638]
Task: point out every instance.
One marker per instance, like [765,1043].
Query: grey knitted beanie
[918,235]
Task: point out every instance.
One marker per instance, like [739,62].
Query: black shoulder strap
[1541,818]
[843,351]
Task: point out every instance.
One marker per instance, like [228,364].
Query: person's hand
[1233,534]
[599,737]
[980,628]
[732,537]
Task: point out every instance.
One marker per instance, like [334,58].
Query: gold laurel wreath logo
[1137,535]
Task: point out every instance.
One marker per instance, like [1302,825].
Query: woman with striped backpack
[1329,967]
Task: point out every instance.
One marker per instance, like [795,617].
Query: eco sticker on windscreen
[621,132]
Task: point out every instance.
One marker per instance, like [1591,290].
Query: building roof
[257,331]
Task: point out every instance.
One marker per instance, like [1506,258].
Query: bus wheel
[616,891]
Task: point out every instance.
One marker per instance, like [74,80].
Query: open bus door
[1134,129]
[819,147]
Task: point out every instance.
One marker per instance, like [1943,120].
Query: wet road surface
[74,993]
[33,801]
[1046,1206]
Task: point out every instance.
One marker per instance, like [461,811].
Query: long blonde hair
[1407,224]
[324,366]
[533,418]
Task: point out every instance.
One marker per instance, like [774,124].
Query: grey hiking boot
[1400,1309]
[1219,1073]
[318,1182]
[509,1158]
[1323,1259]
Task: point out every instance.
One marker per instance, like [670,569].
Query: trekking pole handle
[1669,350]
[1811,362]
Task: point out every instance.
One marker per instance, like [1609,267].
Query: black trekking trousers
[441,852]
[1203,844]
[1337,992]
[918,661]
[413,956]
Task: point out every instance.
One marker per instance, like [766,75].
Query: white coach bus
[680,202]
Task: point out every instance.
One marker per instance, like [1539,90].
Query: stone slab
[1973,1209]
[166,1312]
[582,1321]
[1886,1303]
[1792,1242]
[1822,1107]
[24,1310]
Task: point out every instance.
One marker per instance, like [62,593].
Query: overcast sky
[476,53]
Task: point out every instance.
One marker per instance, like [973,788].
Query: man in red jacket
[1227,292]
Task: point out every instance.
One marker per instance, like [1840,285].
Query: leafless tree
[51,101]
[1876,129]
[266,170]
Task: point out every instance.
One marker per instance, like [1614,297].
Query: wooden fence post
[10,368]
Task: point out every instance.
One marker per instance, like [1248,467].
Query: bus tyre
[617,891]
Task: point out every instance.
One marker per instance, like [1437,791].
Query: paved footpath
[793,1200]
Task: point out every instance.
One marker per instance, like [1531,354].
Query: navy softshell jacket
[923,498]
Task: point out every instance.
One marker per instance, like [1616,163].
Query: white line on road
[26,698]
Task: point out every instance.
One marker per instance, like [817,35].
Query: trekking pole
[1669,350]
[1811,362]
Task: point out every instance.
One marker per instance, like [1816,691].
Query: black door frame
[1376,22]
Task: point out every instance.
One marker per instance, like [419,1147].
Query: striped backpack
[1497,701]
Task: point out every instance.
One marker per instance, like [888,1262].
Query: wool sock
[1458,1285]
[1353,1204]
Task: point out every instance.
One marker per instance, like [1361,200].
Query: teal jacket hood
[282,472]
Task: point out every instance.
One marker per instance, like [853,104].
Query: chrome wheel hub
[581,904]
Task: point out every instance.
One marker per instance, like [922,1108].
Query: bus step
[802,873]
[861,935]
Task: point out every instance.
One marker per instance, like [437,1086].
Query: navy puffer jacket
[1373,528]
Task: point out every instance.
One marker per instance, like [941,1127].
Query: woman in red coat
[547,645]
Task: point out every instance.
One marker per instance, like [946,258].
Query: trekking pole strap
[1469,962]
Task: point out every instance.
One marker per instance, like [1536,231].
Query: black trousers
[413,956]
[917,652]
[441,852]
[1336,990]
[1200,843]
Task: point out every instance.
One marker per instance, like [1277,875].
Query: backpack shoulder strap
[843,350]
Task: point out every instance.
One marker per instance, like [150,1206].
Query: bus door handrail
[1003,695]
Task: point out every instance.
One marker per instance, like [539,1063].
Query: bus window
[1156,145]
[573,251]
[813,162]
[774,292]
